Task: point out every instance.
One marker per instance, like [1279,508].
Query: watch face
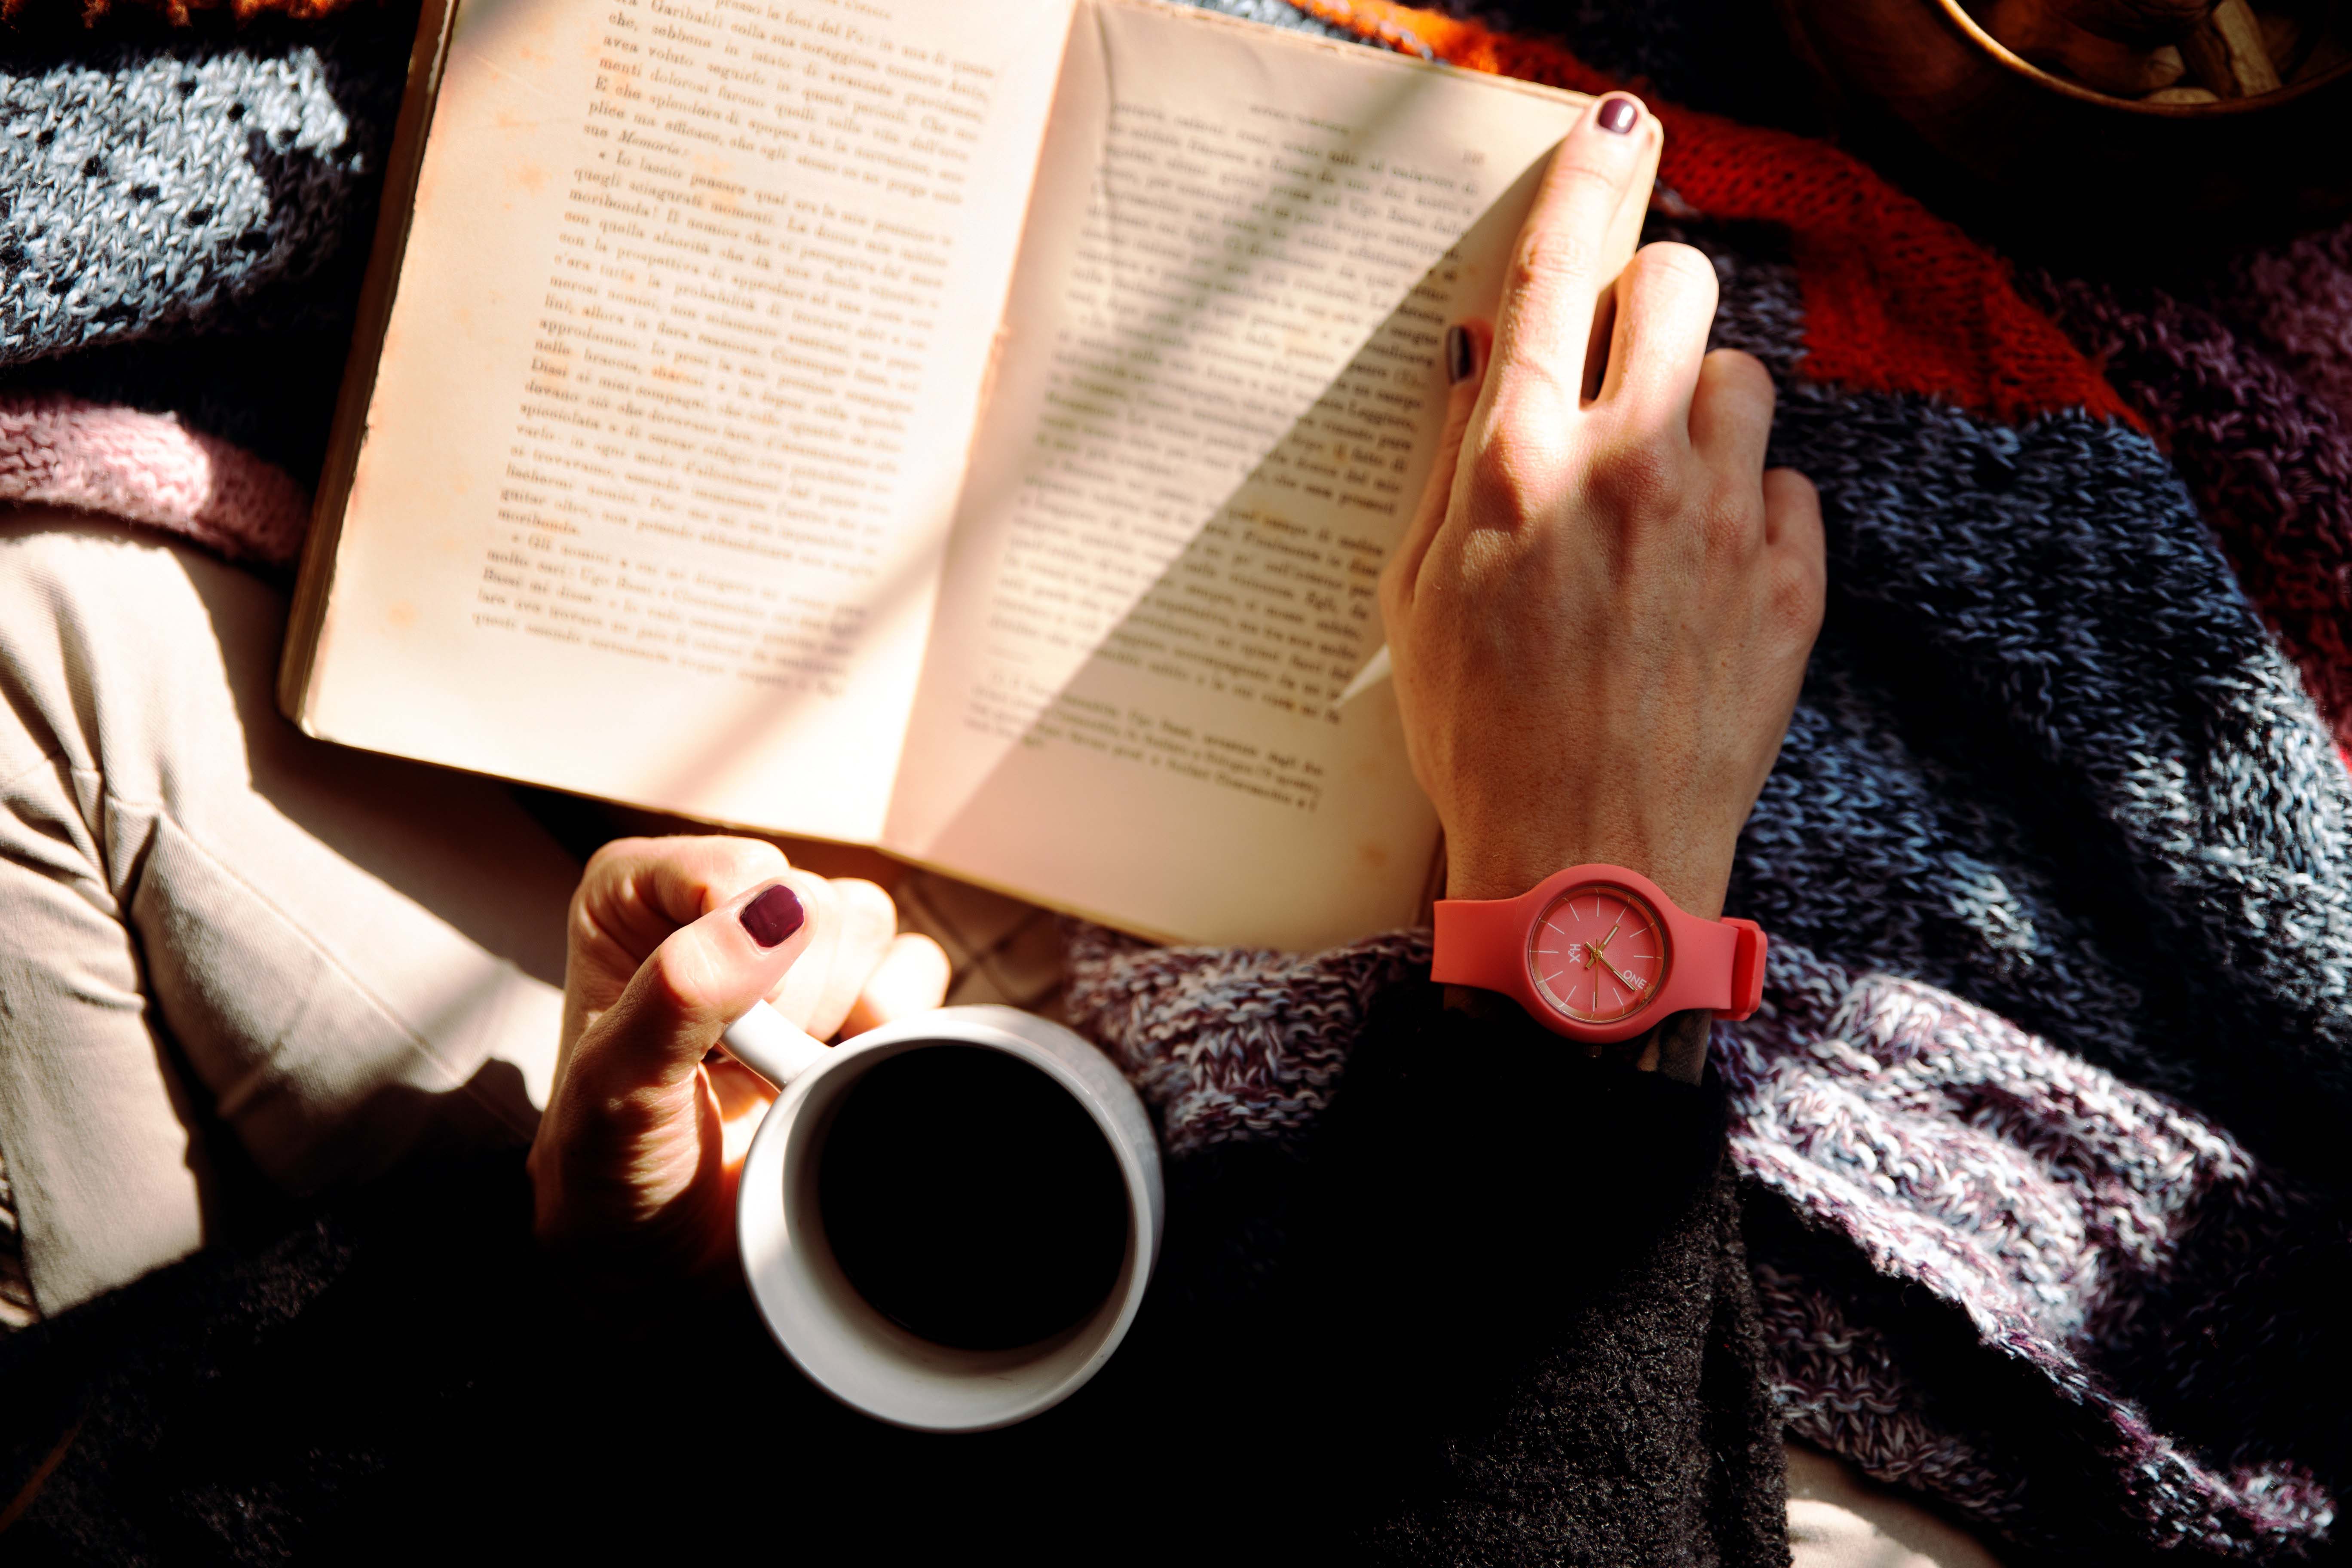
[1599,953]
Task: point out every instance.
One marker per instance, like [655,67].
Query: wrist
[1485,867]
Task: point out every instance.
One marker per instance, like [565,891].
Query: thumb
[703,978]
[1465,353]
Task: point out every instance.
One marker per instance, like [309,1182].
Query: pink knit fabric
[150,468]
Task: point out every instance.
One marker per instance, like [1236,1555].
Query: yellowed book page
[1220,395]
[677,393]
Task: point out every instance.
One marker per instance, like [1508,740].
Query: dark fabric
[1496,1313]
[1552,1243]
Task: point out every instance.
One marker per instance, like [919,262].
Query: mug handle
[765,1041]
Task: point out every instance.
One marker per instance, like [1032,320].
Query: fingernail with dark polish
[1618,115]
[1460,360]
[773,916]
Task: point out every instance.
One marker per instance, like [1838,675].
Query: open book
[970,430]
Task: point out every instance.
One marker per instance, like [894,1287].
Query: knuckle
[677,980]
[1555,257]
[580,925]
[1799,592]
[1504,471]
[924,956]
[1524,444]
[1670,303]
[1636,478]
[1575,182]
[748,854]
[723,864]
[1734,521]
[612,853]
[1788,489]
[1673,264]
[1741,374]
[868,913]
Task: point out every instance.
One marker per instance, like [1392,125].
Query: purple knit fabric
[1229,1043]
[2247,379]
[2088,1231]
[2298,299]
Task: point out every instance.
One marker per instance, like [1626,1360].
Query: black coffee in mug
[971,1199]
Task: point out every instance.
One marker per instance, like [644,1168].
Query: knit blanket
[2041,1119]
[2038,1125]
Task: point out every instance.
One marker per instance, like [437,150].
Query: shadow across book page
[750,442]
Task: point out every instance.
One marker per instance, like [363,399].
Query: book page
[1220,396]
[677,392]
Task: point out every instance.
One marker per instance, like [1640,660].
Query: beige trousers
[212,926]
[207,919]
[1840,1518]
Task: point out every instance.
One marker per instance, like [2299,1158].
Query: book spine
[307,619]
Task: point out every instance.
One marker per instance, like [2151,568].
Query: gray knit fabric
[184,218]
[166,185]
[2048,747]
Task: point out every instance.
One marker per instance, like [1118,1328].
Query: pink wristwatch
[1599,954]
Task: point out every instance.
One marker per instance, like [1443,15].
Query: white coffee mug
[844,1343]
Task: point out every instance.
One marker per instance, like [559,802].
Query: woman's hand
[1600,616]
[671,939]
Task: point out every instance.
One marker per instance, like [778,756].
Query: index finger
[1579,236]
[636,891]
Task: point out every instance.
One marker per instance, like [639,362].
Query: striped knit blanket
[2040,1122]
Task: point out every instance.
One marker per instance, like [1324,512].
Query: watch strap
[1718,965]
[1482,942]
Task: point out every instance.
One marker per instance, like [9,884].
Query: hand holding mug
[1601,614]
[948,1223]
[670,940]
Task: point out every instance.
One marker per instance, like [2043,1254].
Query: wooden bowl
[2028,149]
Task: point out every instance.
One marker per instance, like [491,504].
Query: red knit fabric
[1897,299]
